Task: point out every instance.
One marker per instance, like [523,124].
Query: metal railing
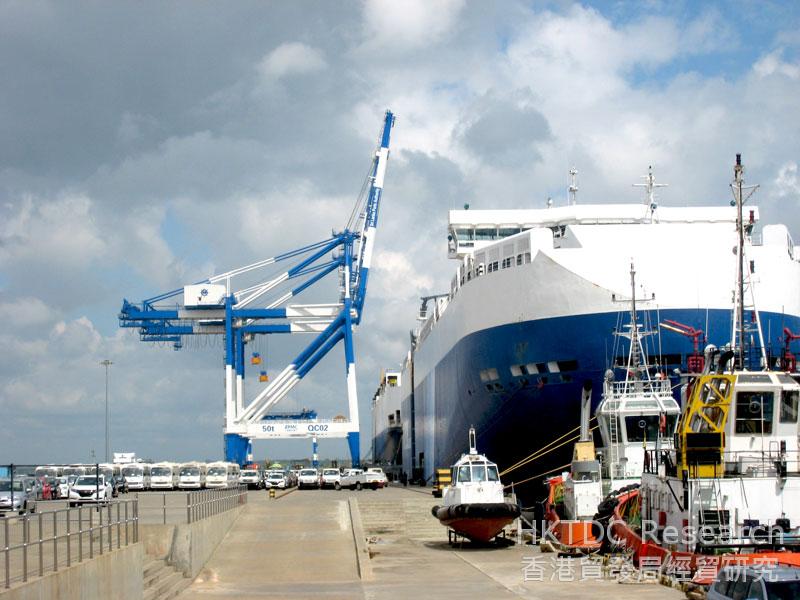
[739,463]
[37,543]
[179,507]
[206,503]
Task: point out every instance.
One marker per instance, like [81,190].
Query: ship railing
[632,389]
[738,463]
[34,544]
[761,463]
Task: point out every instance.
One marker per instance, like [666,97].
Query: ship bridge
[471,230]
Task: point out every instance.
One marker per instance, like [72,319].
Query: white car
[330,477]
[89,489]
[275,479]
[308,478]
[353,479]
[376,478]
[65,484]
[251,478]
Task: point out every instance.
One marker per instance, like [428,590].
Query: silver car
[21,500]
[761,582]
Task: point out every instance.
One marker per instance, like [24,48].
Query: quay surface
[301,545]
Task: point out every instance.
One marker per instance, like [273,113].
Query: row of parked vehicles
[77,489]
[353,479]
[181,476]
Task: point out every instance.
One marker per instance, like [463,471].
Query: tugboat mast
[743,276]
[738,180]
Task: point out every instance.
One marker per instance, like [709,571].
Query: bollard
[272,493]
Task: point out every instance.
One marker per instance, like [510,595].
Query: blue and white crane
[214,307]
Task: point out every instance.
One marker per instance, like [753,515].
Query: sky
[148,145]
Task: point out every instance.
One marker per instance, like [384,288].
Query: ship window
[507,262]
[463,474]
[489,387]
[505,232]
[519,259]
[567,365]
[789,406]
[465,234]
[642,428]
[754,412]
[527,257]
[541,368]
[493,266]
[478,473]
[491,472]
[490,374]
[485,234]
[516,371]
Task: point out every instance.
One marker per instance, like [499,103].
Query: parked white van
[163,476]
[192,476]
[137,476]
[222,475]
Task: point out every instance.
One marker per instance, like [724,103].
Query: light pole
[107,363]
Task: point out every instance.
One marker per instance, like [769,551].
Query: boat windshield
[754,412]
[477,472]
[645,428]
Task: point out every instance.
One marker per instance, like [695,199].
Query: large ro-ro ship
[529,318]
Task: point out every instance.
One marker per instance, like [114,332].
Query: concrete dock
[302,546]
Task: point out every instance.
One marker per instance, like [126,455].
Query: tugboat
[474,506]
[636,414]
[729,492]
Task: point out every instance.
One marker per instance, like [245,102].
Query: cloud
[772,64]
[410,24]
[505,131]
[787,183]
[291,58]
[61,232]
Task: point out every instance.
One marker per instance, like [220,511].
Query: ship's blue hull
[519,411]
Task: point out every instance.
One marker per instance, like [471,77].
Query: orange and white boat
[474,504]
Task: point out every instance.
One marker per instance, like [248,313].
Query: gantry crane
[214,307]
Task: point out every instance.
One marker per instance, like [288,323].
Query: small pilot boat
[474,506]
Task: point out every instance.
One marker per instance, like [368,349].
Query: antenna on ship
[637,373]
[573,186]
[650,186]
[743,274]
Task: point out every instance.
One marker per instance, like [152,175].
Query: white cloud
[787,183]
[61,232]
[27,311]
[291,58]
[772,64]
[409,24]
